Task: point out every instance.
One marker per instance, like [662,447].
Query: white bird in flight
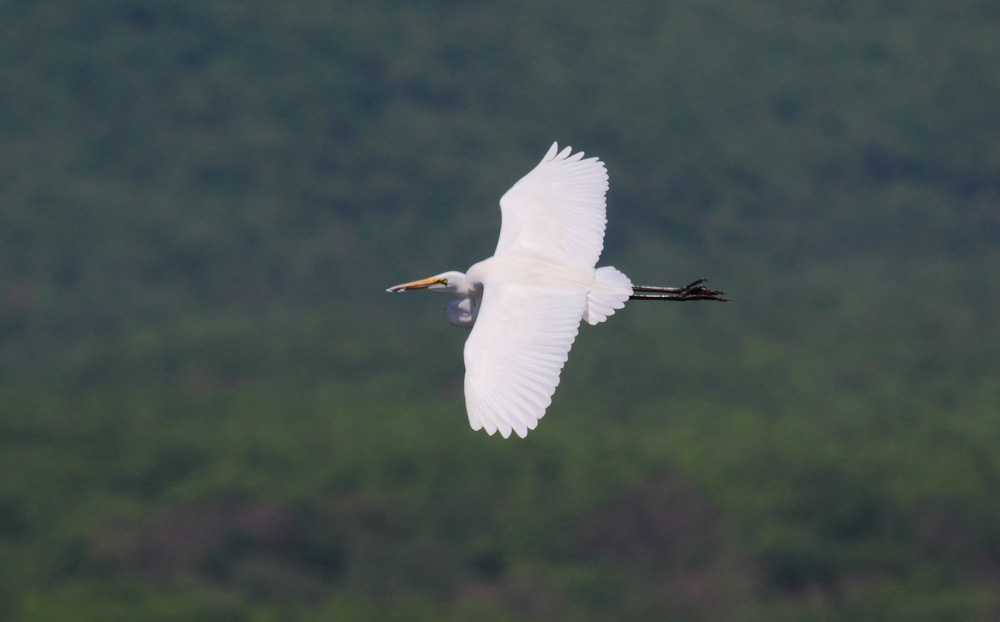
[524,304]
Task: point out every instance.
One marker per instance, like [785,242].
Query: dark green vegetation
[210,410]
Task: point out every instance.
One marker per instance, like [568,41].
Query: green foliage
[209,409]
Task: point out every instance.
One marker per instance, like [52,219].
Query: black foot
[692,291]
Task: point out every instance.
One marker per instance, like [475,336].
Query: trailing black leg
[691,291]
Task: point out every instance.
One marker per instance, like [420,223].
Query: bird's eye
[444,281]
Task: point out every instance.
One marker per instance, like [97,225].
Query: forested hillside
[211,410]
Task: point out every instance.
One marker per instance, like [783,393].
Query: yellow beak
[421,284]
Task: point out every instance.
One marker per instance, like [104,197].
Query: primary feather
[557,210]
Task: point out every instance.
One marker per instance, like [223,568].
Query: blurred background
[211,410]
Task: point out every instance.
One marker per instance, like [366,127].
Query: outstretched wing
[557,210]
[515,352]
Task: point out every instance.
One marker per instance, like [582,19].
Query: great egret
[524,304]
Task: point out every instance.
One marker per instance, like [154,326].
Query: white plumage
[525,303]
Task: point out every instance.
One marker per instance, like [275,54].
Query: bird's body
[525,303]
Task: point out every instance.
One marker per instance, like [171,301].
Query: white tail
[610,291]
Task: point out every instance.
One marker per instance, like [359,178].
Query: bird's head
[446,283]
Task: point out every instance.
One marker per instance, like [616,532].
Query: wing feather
[516,351]
[557,210]
[536,289]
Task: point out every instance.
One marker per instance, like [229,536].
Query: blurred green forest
[210,409]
